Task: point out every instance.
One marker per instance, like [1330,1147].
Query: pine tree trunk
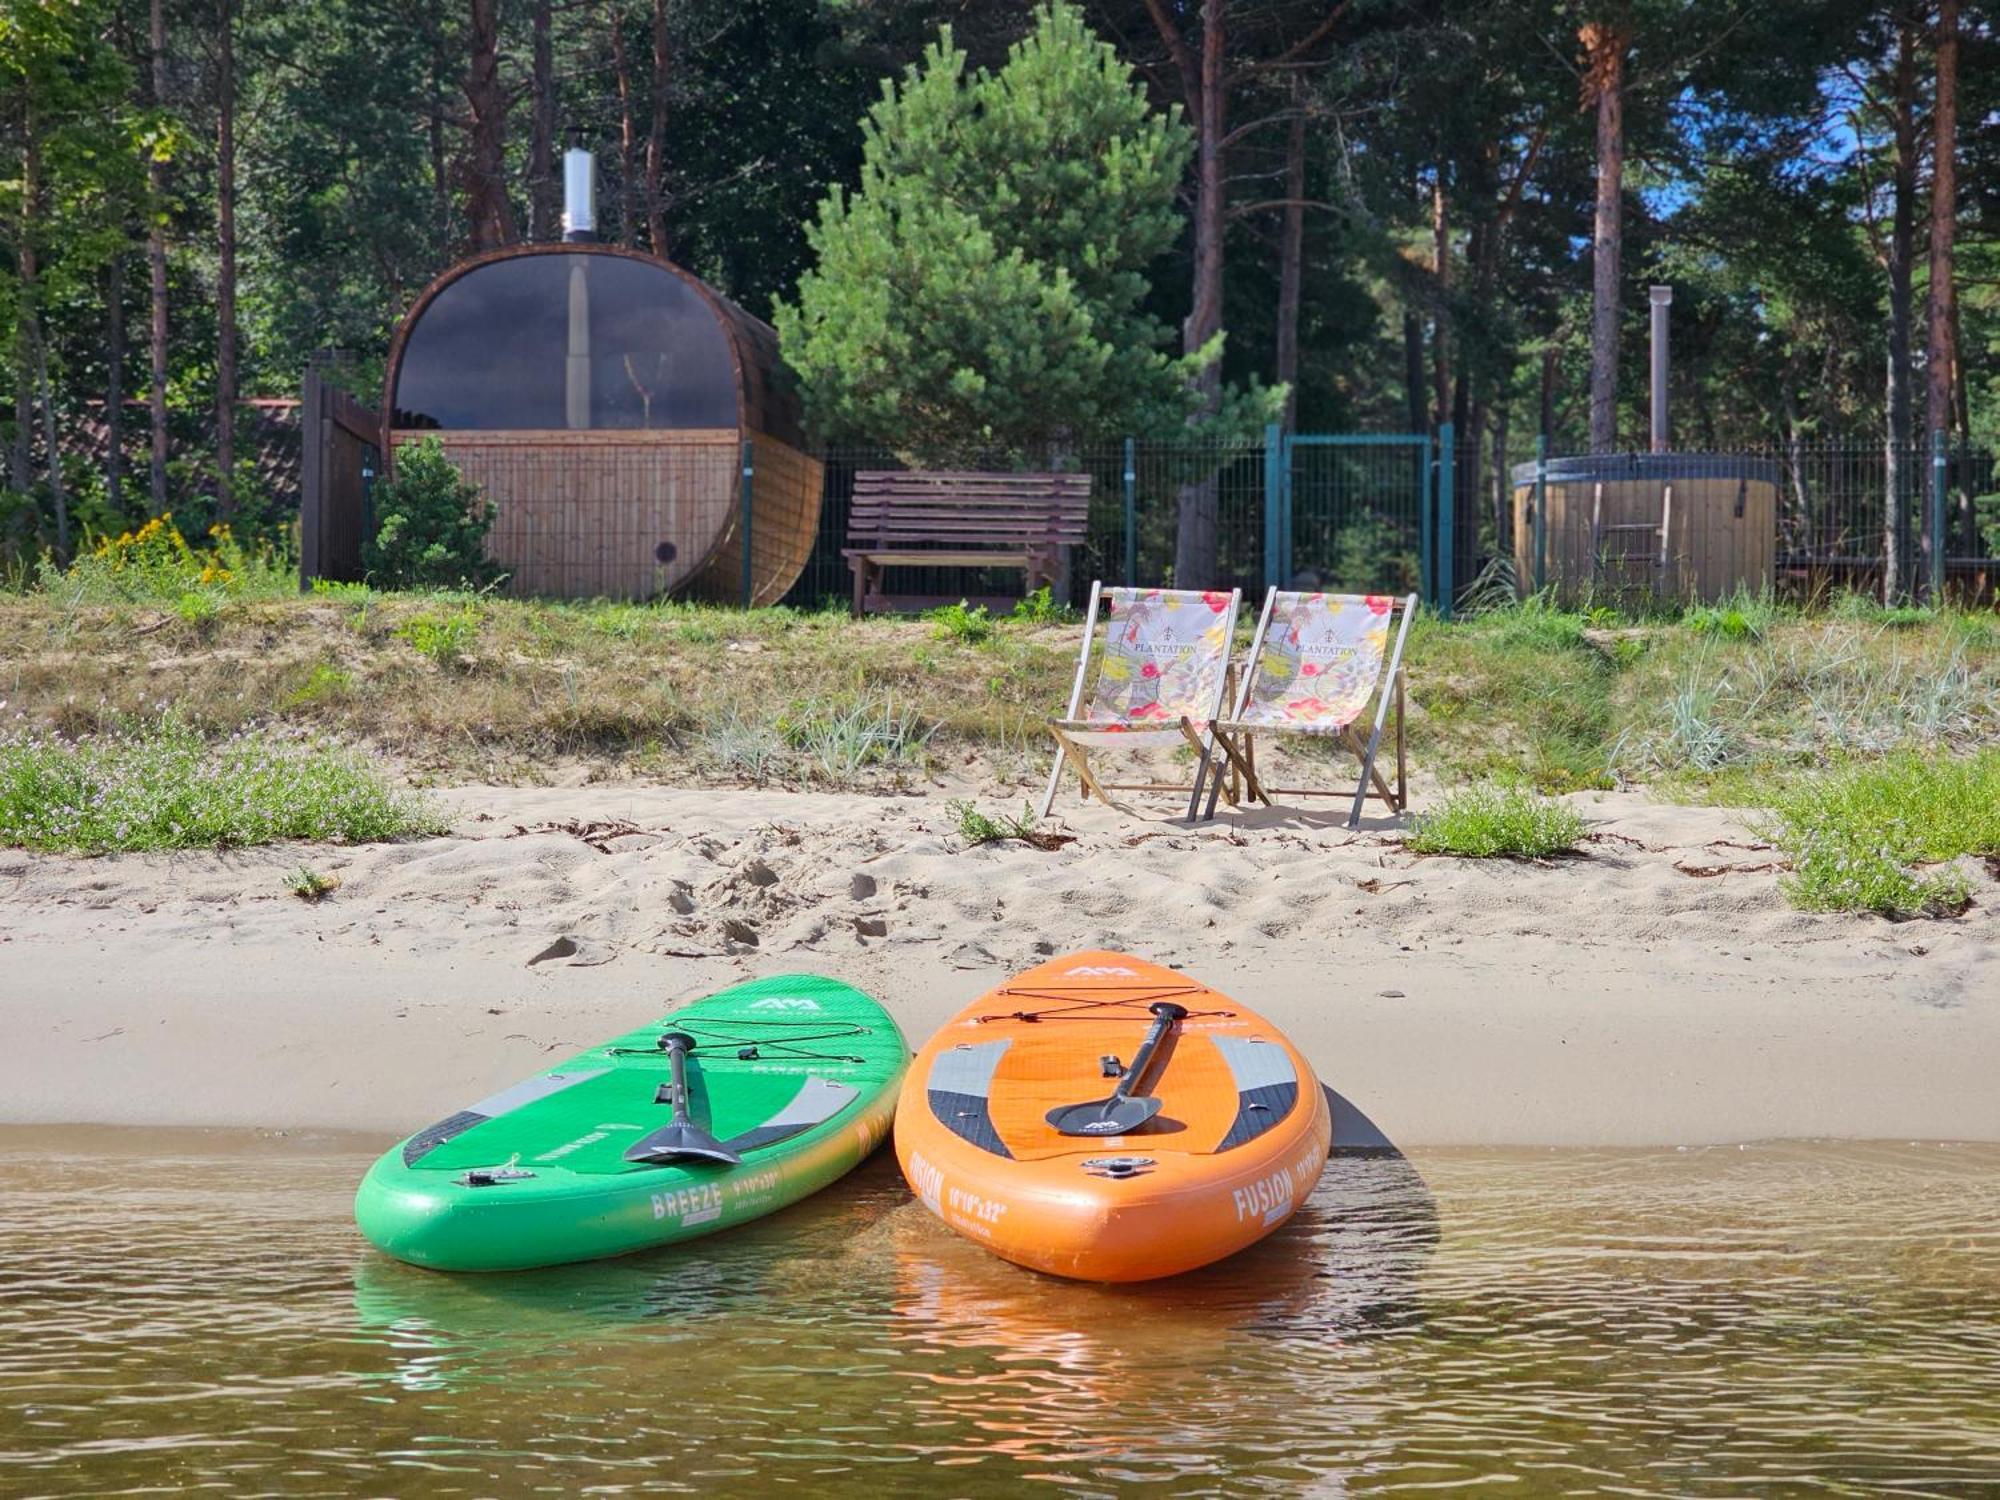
[156,263]
[1416,413]
[23,458]
[225,272]
[1897,471]
[1551,360]
[440,166]
[1944,217]
[627,131]
[656,137]
[58,491]
[487,209]
[114,385]
[543,198]
[1291,257]
[1441,278]
[1503,487]
[1195,541]
[1941,350]
[1604,48]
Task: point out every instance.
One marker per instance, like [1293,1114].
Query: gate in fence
[1360,512]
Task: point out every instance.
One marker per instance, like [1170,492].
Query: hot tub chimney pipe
[1663,297]
[579,196]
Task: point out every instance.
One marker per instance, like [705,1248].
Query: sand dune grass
[459,687]
[167,787]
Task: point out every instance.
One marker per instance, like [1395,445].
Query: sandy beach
[1657,990]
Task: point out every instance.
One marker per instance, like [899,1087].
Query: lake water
[195,1311]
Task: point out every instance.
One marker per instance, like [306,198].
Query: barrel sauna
[602,399]
[1681,526]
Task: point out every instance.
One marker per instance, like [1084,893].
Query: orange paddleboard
[1177,1158]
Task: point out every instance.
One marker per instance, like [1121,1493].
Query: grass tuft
[443,638]
[976,828]
[1492,822]
[1866,836]
[968,624]
[311,885]
[1742,617]
[165,787]
[1040,608]
[873,731]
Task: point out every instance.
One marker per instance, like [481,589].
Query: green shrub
[433,526]
[155,564]
[164,787]
[444,638]
[968,624]
[1040,608]
[1496,822]
[1858,838]
[199,606]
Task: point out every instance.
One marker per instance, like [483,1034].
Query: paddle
[680,1139]
[1123,1111]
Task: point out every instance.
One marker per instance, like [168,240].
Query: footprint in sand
[574,951]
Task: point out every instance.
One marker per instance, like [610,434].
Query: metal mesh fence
[1893,521]
[1373,512]
[1356,517]
[1134,513]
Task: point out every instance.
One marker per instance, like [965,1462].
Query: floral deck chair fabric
[1315,662]
[1162,676]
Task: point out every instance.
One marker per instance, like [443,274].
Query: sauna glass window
[566,341]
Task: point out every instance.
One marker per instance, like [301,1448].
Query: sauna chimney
[579,196]
[579,227]
[1663,297]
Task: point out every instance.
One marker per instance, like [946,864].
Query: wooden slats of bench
[933,557]
[908,519]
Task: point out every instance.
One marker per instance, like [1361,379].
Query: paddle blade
[680,1142]
[1113,1116]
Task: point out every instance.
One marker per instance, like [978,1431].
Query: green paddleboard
[795,1076]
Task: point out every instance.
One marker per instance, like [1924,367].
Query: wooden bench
[912,519]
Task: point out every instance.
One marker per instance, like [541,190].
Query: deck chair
[1162,676]
[1314,663]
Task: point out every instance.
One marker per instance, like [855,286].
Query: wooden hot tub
[1688,526]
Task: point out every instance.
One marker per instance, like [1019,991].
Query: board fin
[817,1101]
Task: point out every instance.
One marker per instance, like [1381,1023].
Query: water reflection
[1662,1323]
[1044,1371]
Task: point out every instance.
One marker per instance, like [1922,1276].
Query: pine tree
[983,289]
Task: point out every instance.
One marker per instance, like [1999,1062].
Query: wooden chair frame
[1236,739]
[1076,755]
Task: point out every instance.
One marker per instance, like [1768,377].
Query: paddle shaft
[677,1051]
[1166,1015]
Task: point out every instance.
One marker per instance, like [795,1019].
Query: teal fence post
[1447,502]
[1287,532]
[1274,506]
[749,578]
[1936,528]
[1541,511]
[1426,523]
[1131,518]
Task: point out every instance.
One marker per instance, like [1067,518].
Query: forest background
[1410,212]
